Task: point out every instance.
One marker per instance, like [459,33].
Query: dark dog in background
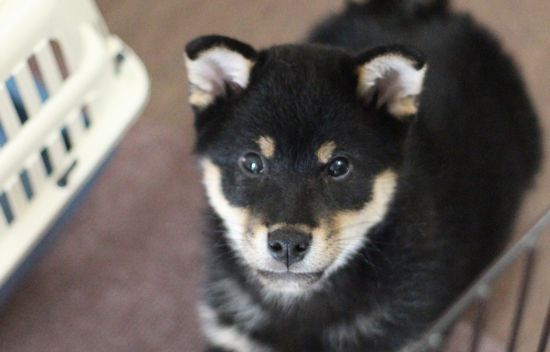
[357,183]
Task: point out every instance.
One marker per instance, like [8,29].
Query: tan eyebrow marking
[267,146]
[325,151]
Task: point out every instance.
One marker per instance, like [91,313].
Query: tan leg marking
[226,336]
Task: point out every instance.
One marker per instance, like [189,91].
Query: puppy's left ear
[216,67]
[392,76]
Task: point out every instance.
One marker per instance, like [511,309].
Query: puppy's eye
[339,168]
[252,163]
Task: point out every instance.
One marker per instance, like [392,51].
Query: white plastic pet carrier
[68,92]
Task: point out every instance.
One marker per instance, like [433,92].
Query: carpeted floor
[123,274]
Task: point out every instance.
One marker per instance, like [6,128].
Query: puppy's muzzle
[288,246]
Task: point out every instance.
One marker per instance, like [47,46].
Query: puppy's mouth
[291,277]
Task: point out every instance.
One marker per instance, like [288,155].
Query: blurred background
[123,273]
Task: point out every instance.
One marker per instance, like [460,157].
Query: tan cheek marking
[267,146]
[323,250]
[235,218]
[256,225]
[321,235]
[324,153]
[321,231]
[374,210]
[256,229]
[257,237]
[349,227]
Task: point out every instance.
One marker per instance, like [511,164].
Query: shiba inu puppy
[358,182]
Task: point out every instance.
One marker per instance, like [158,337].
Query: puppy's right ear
[216,66]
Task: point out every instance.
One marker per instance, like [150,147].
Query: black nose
[288,246]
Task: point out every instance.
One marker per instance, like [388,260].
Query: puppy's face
[300,148]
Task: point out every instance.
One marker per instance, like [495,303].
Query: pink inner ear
[218,67]
[215,77]
[388,88]
[393,76]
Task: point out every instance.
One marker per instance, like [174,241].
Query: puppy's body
[461,166]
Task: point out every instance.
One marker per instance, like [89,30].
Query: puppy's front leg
[222,337]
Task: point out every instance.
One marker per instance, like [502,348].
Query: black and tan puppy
[357,183]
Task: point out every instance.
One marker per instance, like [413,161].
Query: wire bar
[545,335]
[479,324]
[522,298]
[475,294]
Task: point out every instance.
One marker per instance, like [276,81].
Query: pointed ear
[393,76]
[217,66]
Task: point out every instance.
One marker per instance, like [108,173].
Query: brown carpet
[123,274]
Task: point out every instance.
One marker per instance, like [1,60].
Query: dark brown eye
[252,163]
[338,168]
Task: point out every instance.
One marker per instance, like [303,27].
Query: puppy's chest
[316,326]
[325,334]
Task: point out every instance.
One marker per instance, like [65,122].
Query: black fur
[195,47]
[408,52]
[464,163]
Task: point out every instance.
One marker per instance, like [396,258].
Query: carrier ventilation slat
[30,85]
[3,136]
[61,63]
[38,78]
[26,182]
[46,161]
[67,141]
[3,222]
[51,73]
[56,149]
[8,115]
[37,173]
[86,118]
[16,101]
[19,191]
[15,193]
[29,94]
[75,125]
[6,213]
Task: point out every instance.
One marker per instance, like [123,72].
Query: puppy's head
[300,148]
